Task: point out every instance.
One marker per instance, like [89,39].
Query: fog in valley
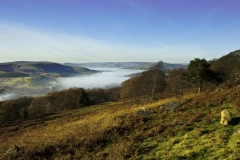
[107,78]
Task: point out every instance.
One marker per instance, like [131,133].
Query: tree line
[200,74]
[54,102]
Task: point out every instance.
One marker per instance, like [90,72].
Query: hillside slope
[22,68]
[119,131]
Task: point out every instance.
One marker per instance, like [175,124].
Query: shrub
[82,99]
[14,109]
[57,101]
[23,112]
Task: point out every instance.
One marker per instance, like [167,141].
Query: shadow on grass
[147,149]
[236,121]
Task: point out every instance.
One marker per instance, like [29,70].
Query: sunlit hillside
[26,69]
[119,130]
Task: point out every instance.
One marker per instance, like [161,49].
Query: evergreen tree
[198,71]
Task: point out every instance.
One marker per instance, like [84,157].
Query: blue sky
[118,30]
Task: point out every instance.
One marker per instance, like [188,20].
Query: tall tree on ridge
[198,71]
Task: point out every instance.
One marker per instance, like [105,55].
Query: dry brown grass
[112,130]
[80,133]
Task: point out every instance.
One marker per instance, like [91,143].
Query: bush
[41,106]
[14,109]
[55,102]
[82,99]
[23,112]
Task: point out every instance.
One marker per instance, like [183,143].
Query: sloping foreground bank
[119,131]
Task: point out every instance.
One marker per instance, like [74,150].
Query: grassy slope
[114,131]
[82,70]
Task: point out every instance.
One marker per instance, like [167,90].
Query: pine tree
[198,71]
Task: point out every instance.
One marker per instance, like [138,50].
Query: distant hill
[126,65]
[24,68]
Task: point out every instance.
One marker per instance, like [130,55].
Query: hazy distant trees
[199,71]
[159,66]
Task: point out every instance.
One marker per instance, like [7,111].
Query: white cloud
[22,43]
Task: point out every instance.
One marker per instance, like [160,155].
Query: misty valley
[25,78]
[13,87]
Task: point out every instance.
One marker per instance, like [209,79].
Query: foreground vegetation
[116,131]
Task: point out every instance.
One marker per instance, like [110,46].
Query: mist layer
[109,77]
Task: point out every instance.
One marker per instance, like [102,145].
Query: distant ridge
[126,65]
[28,68]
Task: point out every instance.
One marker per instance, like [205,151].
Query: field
[26,86]
[116,131]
